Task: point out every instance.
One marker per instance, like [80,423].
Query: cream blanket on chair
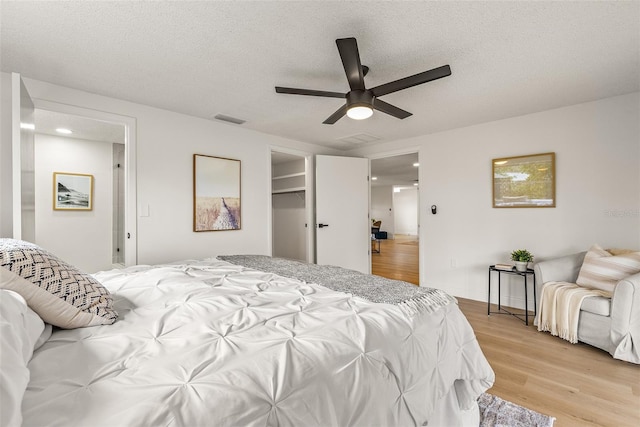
[560,308]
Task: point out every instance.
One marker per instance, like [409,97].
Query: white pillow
[21,331]
[602,270]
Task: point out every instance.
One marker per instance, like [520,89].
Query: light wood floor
[578,384]
[398,259]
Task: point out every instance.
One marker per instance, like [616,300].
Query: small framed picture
[216,193]
[72,192]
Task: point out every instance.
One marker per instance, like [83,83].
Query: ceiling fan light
[360,112]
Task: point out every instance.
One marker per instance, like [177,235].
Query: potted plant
[522,258]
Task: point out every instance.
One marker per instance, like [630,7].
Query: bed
[218,342]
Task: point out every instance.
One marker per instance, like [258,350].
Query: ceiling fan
[362,101]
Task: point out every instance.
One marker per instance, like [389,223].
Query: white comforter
[214,344]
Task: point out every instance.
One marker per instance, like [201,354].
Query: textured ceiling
[208,58]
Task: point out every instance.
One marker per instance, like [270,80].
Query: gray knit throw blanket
[410,298]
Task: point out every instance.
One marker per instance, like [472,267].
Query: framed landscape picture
[525,181]
[216,193]
[72,192]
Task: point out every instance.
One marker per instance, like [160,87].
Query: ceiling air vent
[359,138]
[229,119]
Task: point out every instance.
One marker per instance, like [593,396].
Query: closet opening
[291,206]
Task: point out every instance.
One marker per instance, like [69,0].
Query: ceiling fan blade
[294,91]
[348,49]
[392,110]
[416,79]
[336,116]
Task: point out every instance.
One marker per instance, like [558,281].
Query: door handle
[322,225]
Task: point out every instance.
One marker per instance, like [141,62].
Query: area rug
[495,412]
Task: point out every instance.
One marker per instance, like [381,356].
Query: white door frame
[22,142]
[129,123]
[422,211]
[308,199]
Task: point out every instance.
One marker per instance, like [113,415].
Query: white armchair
[611,324]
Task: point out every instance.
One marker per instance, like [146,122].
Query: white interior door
[22,163]
[343,232]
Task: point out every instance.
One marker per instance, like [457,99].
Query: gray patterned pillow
[60,293]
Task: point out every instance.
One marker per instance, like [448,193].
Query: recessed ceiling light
[64,131]
[373,178]
[415,183]
[29,126]
[416,164]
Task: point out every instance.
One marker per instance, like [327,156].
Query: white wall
[597,148]
[166,142]
[289,232]
[382,208]
[398,211]
[405,205]
[81,238]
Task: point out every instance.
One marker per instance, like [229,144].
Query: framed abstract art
[524,181]
[216,193]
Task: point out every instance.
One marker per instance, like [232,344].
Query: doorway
[395,212]
[71,144]
[102,145]
[314,214]
[24,126]
[291,206]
